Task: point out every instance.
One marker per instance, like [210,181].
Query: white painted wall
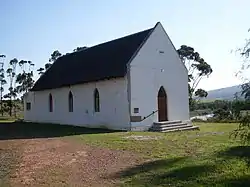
[114,105]
[150,70]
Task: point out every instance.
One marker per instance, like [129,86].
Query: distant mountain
[223,93]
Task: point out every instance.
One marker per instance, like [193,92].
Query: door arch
[162,105]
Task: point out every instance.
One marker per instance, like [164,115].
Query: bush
[243,131]
[216,120]
[198,120]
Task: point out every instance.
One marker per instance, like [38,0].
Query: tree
[2,81]
[221,114]
[243,130]
[53,57]
[79,49]
[11,73]
[245,90]
[40,71]
[237,106]
[197,68]
[25,78]
[200,93]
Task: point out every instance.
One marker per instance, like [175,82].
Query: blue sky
[32,30]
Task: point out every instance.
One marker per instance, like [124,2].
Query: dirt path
[64,162]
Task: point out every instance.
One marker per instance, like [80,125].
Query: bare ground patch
[9,157]
[64,162]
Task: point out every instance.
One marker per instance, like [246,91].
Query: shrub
[243,130]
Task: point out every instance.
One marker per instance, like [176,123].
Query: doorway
[162,105]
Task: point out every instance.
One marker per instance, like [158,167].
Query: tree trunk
[1,99]
[1,103]
[14,107]
[10,112]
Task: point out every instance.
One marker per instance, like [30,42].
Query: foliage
[25,78]
[53,57]
[221,114]
[40,71]
[245,90]
[223,110]
[2,82]
[243,131]
[200,93]
[215,120]
[11,73]
[235,105]
[197,68]
[20,79]
[79,49]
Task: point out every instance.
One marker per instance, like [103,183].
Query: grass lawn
[196,158]
[200,158]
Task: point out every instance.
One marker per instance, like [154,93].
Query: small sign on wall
[135,118]
[136,110]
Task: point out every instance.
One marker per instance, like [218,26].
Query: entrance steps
[172,126]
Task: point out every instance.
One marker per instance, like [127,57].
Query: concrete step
[182,129]
[168,125]
[172,126]
[167,122]
[175,127]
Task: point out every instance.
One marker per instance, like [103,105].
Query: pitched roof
[104,61]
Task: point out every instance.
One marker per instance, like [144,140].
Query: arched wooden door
[162,105]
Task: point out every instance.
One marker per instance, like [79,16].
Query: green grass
[200,158]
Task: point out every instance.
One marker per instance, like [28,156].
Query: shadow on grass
[23,130]
[177,172]
[239,182]
[147,167]
[237,151]
[242,152]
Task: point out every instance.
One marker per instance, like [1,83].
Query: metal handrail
[149,115]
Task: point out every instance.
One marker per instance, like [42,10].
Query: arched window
[96,101]
[70,102]
[50,103]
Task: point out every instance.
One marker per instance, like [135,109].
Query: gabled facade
[127,83]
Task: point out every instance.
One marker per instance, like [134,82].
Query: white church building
[127,84]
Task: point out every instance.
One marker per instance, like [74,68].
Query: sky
[32,30]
